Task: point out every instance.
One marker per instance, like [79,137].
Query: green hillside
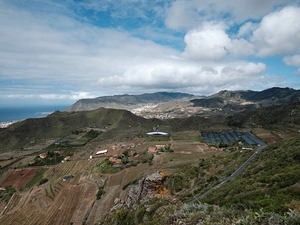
[59,124]
[271,181]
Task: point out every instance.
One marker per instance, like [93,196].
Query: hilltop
[127,101]
[59,124]
[240,100]
[164,105]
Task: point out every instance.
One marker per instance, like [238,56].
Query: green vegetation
[158,211]
[37,178]
[270,182]
[269,117]
[187,138]
[144,157]
[51,159]
[106,167]
[85,138]
[100,192]
[160,138]
[6,194]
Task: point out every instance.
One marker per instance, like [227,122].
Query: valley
[101,167]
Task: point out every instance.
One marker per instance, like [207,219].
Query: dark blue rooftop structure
[229,137]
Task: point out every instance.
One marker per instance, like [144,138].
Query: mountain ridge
[227,99]
[127,101]
[249,99]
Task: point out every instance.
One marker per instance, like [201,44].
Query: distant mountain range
[249,99]
[237,100]
[127,101]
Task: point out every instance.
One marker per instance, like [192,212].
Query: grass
[36,178]
[187,138]
[106,168]
[160,138]
[270,181]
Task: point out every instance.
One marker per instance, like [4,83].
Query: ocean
[15,113]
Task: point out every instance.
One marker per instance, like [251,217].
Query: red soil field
[26,178]
[20,177]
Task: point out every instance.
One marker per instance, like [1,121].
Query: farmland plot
[59,171]
[87,197]
[13,202]
[20,177]
[64,206]
[28,216]
[26,178]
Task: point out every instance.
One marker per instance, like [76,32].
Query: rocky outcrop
[147,188]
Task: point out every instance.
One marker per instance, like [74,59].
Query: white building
[101,152]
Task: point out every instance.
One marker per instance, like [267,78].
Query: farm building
[157,133]
[160,146]
[152,149]
[43,155]
[115,160]
[101,152]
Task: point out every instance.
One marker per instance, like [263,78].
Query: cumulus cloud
[246,29]
[292,60]
[188,14]
[278,32]
[206,44]
[242,47]
[72,59]
[181,15]
[184,75]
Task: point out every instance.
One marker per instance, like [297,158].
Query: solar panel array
[229,137]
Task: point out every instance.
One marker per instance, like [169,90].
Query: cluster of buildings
[156,148]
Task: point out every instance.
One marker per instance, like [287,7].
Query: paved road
[231,177]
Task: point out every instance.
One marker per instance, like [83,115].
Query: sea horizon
[18,113]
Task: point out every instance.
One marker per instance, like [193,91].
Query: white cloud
[278,32]
[72,96]
[292,60]
[247,29]
[242,47]
[243,10]
[189,14]
[181,15]
[185,75]
[206,44]
[71,59]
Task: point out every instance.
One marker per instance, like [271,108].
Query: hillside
[267,192]
[270,182]
[240,100]
[59,124]
[134,184]
[126,101]
[285,116]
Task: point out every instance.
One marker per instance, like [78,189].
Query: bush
[42,181]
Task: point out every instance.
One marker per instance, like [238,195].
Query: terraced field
[19,178]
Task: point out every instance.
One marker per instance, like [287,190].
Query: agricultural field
[45,198]
[187,136]
[267,135]
[20,177]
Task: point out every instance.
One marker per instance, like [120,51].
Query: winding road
[231,177]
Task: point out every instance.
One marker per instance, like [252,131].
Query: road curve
[231,177]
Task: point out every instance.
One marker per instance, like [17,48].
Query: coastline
[6,124]
[13,114]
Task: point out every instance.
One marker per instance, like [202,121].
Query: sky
[56,52]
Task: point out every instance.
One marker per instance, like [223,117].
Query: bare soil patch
[26,178]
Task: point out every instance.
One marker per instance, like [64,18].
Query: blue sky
[56,52]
